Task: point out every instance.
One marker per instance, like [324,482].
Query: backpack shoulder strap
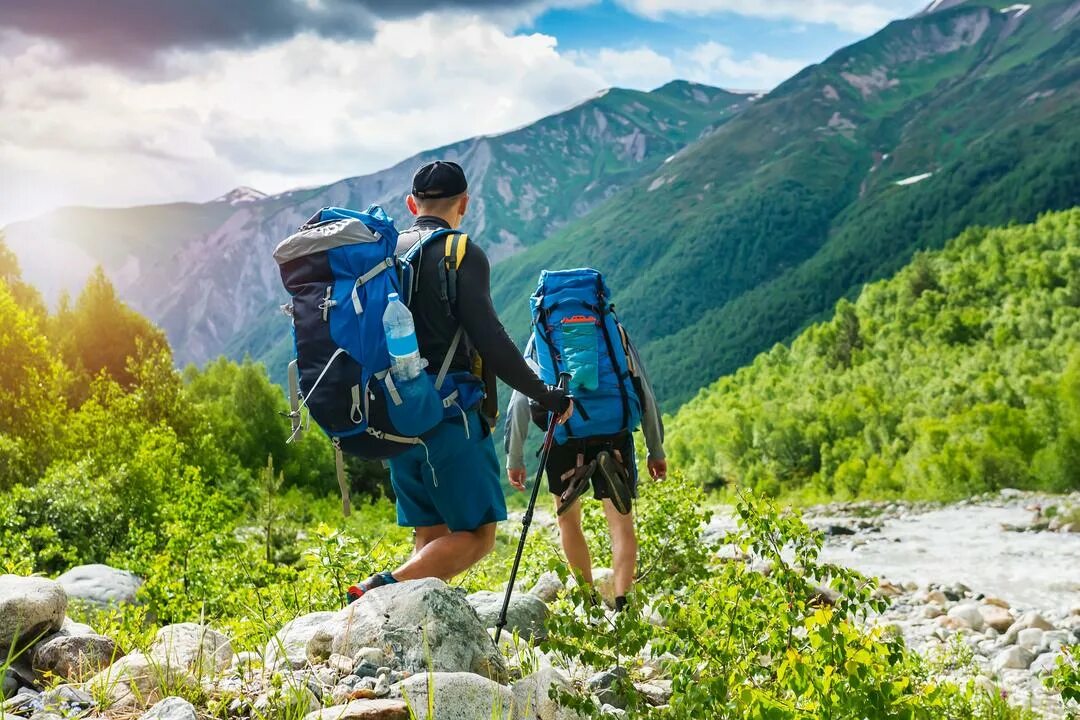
[628,348]
[453,254]
[454,244]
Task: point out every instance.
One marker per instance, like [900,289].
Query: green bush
[1065,679]
[748,635]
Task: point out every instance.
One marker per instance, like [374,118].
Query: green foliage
[31,393]
[958,376]
[749,638]
[26,296]
[1065,679]
[99,334]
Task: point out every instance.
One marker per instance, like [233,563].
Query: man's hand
[657,468]
[566,415]
[517,478]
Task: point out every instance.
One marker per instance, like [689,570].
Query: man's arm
[518,419]
[652,425]
[517,430]
[477,315]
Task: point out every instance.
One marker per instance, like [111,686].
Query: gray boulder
[30,608]
[1030,638]
[74,657]
[67,700]
[547,587]
[22,702]
[1013,658]
[171,708]
[969,615]
[604,582]
[384,709]
[1045,663]
[9,684]
[997,617]
[1033,619]
[424,624]
[100,585]
[1027,620]
[656,693]
[292,699]
[192,647]
[138,679]
[1054,640]
[525,615]
[70,627]
[605,686]
[291,641]
[456,696]
[533,701]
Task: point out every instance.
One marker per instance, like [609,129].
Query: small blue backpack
[575,331]
[339,268]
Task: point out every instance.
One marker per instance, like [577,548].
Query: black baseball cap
[440,179]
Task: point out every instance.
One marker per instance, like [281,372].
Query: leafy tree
[31,394]
[99,334]
[26,296]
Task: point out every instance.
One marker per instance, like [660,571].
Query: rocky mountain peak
[241,195]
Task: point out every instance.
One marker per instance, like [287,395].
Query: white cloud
[710,63]
[640,69]
[303,111]
[299,112]
[859,16]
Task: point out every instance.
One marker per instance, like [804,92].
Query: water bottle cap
[392,297]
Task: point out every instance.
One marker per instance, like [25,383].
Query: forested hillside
[960,375]
[962,116]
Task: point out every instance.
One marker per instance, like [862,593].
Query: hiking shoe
[614,474]
[355,592]
[577,486]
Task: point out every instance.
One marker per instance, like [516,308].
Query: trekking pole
[526,520]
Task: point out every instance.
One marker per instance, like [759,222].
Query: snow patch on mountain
[914,179]
[241,195]
[1019,9]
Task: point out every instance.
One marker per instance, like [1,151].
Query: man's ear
[463,205]
[410,202]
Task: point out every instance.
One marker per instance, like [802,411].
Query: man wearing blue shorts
[449,489]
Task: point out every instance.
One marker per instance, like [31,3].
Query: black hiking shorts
[564,459]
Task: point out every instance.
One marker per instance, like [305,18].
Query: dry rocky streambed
[990,587]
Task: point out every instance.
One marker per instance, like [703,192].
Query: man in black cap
[449,489]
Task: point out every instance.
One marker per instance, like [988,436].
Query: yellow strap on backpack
[455,250]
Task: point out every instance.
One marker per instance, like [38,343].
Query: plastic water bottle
[405,360]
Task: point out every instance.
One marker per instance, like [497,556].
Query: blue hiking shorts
[453,479]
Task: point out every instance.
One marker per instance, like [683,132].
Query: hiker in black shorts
[606,462]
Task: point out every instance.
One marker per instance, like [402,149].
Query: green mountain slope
[750,234]
[959,375]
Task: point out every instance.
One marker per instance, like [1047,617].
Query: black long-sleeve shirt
[436,323]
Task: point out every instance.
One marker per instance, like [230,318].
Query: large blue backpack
[575,331]
[339,268]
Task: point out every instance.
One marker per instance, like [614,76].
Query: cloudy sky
[122,102]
